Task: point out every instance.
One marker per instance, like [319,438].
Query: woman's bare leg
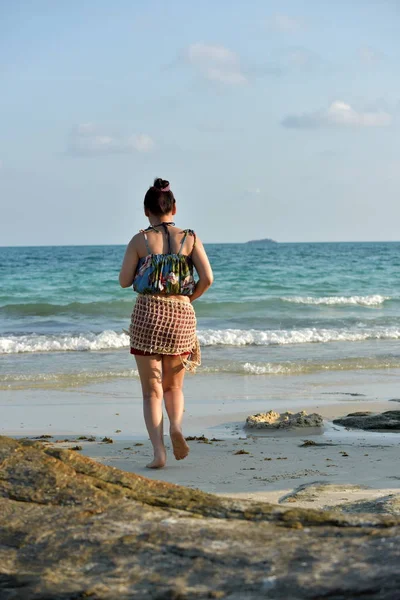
[149,368]
[173,373]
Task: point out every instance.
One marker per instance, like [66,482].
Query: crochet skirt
[163,325]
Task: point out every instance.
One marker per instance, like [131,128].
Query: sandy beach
[344,467]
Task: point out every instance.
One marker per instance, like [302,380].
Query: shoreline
[210,402]
[351,466]
[345,467]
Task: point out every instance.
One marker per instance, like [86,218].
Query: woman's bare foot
[179,445]
[158,462]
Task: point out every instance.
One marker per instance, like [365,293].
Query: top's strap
[194,239]
[183,241]
[186,231]
[146,241]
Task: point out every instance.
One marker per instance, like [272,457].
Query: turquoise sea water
[273,309]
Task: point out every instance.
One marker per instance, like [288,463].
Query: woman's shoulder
[137,241]
[137,238]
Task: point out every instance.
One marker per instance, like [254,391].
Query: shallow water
[276,309]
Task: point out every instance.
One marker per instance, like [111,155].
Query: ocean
[274,309]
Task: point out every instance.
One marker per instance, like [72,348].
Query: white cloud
[87,138]
[339,114]
[285,24]
[368,55]
[142,142]
[216,63]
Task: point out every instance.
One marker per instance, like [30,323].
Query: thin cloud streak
[339,114]
[87,139]
[285,24]
[216,63]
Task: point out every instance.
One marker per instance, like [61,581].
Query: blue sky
[270,119]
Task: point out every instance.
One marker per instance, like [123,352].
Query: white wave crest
[270,369]
[296,368]
[51,343]
[86,376]
[240,337]
[111,340]
[373,300]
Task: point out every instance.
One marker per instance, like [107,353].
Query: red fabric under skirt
[144,353]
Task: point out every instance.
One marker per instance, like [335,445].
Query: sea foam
[112,340]
[61,343]
[372,300]
[254,337]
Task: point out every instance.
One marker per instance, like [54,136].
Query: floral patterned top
[165,273]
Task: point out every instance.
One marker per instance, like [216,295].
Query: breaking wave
[112,340]
[373,300]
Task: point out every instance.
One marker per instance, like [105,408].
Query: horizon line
[252,242]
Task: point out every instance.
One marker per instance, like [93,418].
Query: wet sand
[271,467]
[342,467]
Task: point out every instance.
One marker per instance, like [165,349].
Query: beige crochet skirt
[165,325]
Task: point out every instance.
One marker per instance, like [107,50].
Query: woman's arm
[203,268]
[129,265]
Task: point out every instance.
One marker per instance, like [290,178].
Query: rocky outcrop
[389,420]
[262,241]
[71,528]
[275,420]
[386,505]
[333,496]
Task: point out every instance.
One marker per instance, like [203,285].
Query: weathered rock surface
[389,504]
[275,420]
[71,528]
[309,492]
[389,420]
[325,494]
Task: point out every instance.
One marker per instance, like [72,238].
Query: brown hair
[157,201]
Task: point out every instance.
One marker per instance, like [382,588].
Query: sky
[275,119]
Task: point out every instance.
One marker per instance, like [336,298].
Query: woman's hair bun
[160,183]
[159,199]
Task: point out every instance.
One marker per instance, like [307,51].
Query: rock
[73,528]
[198,438]
[317,490]
[343,393]
[275,420]
[385,505]
[394,400]
[360,413]
[332,493]
[389,420]
[308,443]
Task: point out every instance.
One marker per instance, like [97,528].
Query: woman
[159,263]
